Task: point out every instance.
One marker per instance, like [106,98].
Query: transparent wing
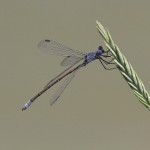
[60,90]
[71,60]
[56,48]
[62,73]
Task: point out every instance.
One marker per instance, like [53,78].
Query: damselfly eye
[100,48]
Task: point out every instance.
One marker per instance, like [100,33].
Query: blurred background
[97,110]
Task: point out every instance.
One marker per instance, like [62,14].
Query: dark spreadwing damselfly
[72,59]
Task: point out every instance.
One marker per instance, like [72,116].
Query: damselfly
[72,59]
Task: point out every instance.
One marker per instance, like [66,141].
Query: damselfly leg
[106,62]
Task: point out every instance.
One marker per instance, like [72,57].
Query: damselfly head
[100,50]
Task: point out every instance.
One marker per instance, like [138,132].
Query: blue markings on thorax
[89,57]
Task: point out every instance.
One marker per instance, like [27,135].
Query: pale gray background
[98,111]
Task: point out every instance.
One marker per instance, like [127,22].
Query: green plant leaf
[125,67]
